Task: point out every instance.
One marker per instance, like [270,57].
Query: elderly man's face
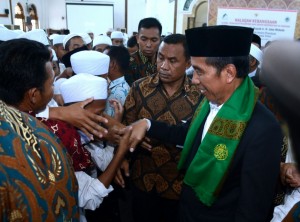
[75,43]
[148,40]
[171,62]
[210,83]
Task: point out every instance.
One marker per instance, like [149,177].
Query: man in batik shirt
[167,96]
[143,61]
[37,181]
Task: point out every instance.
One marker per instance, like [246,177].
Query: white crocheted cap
[102,39]
[83,86]
[59,39]
[91,62]
[116,35]
[38,35]
[6,34]
[68,37]
[256,53]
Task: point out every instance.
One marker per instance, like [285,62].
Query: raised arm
[76,115]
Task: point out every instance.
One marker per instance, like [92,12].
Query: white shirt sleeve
[290,199]
[101,156]
[91,191]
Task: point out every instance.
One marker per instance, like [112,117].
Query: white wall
[5,20]
[52,13]
[57,14]
[163,10]
[136,11]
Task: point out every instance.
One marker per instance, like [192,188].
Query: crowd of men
[186,127]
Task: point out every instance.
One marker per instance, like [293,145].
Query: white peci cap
[102,39]
[38,35]
[91,62]
[83,86]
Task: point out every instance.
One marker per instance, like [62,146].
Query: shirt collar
[116,82]
[143,58]
[154,82]
[251,74]
[214,107]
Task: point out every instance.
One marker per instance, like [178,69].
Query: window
[19,17]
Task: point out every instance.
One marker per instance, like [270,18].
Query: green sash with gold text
[208,169]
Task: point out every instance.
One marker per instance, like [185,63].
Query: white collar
[251,74]
[214,107]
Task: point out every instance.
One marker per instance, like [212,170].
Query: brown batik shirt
[140,66]
[157,170]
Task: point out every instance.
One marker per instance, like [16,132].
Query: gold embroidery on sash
[221,152]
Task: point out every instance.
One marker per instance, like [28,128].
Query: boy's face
[97,106]
[55,68]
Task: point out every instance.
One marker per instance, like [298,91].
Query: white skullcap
[92,62]
[57,84]
[89,31]
[68,37]
[83,86]
[86,38]
[54,55]
[2,26]
[102,39]
[51,37]
[58,39]
[38,35]
[256,53]
[116,35]
[6,34]
[18,31]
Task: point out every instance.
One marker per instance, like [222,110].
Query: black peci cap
[256,39]
[219,41]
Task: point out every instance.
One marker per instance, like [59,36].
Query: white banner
[268,24]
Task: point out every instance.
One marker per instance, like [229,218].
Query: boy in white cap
[87,40]
[93,190]
[102,42]
[73,41]
[117,38]
[109,31]
[255,59]
[91,34]
[57,45]
[88,85]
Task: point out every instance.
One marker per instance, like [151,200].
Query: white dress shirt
[214,109]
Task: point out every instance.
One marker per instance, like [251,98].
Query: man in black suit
[231,151]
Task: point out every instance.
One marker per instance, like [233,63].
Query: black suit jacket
[249,187]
